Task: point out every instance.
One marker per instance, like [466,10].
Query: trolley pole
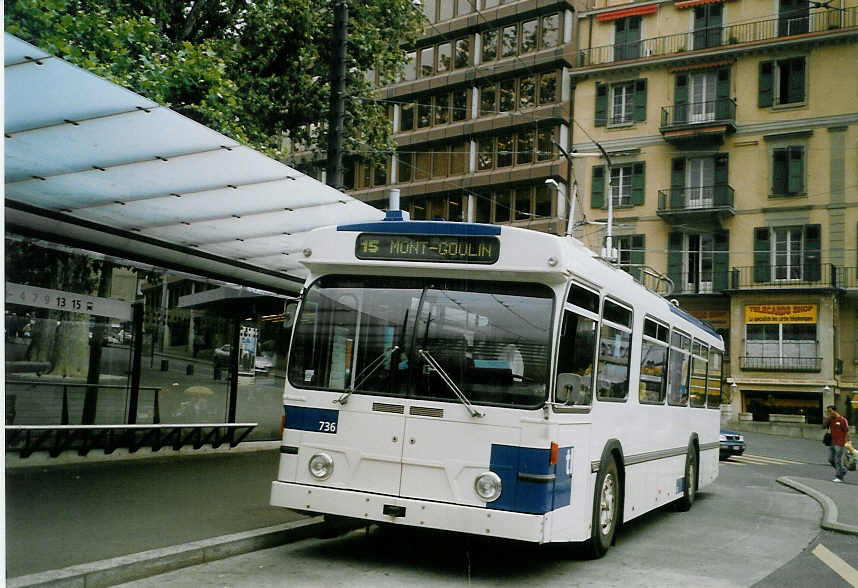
[336,114]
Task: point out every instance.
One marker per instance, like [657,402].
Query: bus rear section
[420,401]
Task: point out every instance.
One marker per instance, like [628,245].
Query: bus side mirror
[290,309]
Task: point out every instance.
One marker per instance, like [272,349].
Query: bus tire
[689,493]
[606,510]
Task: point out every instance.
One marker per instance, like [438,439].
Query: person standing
[839,427]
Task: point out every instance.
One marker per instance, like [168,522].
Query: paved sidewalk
[839,501]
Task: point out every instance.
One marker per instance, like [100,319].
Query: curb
[829,508]
[126,568]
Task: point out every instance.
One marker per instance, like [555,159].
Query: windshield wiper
[365,374]
[450,383]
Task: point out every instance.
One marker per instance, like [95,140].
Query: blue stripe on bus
[422,228]
[318,420]
[531,496]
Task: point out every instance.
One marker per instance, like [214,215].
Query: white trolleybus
[491,380]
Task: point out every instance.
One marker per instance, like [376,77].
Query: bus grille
[424,411]
[382,407]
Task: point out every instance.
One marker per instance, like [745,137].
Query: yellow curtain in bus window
[760,314]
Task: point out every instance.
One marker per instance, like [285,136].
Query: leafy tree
[249,69]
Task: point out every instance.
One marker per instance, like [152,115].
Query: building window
[424,112]
[627,37]
[780,346]
[542,201]
[460,104]
[626,100]
[488,100]
[507,95]
[529,36]
[406,117]
[550,31]
[630,251]
[702,106]
[793,17]
[548,88]
[621,185]
[524,153]
[707,25]
[782,82]
[422,165]
[406,166]
[442,109]
[410,73]
[445,51]
[503,205]
[427,61]
[509,40]
[445,10]
[464,7]
[459,159]
[505,144]
[463,53]
[787,253]
[788,170]
[490,45]
[486,154]
[527,92]
[622,103]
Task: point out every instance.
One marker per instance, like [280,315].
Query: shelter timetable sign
[431,248]
[67,301]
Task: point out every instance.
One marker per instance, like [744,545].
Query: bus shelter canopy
[93,165]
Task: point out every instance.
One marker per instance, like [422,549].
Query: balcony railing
[847,277]
[766,276]
[702,282]
[709,112]
[693,199]
[749,32]
[780,364]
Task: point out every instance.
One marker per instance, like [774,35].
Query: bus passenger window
[698,374]
[713,386]
[653,363]
[576,355]
[615,347]
[677,373]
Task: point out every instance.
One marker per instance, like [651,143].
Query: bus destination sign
[431,248]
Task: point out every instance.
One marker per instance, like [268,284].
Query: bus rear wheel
[689,493]
[606,510]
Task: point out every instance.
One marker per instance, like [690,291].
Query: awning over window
[636,11]
[690,3]
[97,166]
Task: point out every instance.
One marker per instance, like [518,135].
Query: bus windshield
[371,335]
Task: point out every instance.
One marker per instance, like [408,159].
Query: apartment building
[731,134]
[719,137]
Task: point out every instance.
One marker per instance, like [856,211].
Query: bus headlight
[321,466]
[488,486]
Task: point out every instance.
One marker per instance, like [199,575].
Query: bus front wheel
[606,510]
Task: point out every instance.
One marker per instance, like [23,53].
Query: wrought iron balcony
[818,21]
[703,282]
[805,275]
[684,122]
[780,364]
[696,203]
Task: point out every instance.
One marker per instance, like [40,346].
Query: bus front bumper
[410,512]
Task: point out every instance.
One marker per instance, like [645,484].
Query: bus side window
[575,358]
[653,363]
[677,372]
[615,349]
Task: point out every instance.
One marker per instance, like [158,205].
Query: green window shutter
[636,256]
[795,167]
[722,194]
[677,183]
[601,113]
[796,80]
[680,99]
[638,183]
[812,247]
[721,268]
[779,171]
[766,92]
[700,33]
[633,37]
[714,24]
[762,255]
[722,95]
[597,195]
[640,100]
[674,260]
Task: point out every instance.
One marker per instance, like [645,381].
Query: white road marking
[840,567]
[762,460]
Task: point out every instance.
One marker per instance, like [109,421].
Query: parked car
[730,443]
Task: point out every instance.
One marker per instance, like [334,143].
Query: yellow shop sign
[780,313]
